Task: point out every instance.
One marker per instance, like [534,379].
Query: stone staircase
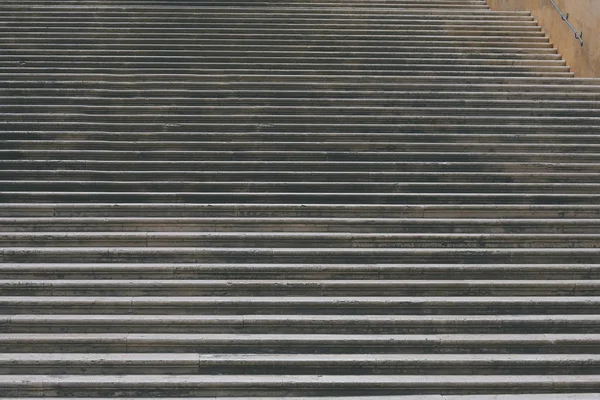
[283,198]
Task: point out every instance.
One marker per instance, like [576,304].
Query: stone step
[163,19]
[298,255]
[186,328]
[347,82]
[457,55]
[500,44]
[231,3]
[495,96]
[348,305]
[366,24]
[249,188]
[303,166]
[300,224]
[337,343]
[293,176]
[398,67]
[326,240]
[251,10]
[570,396]
[208,8]
[501,145]
[384,20]
[290,271]
[561,72]
[279,385]
[390,271]
[380,364]
[460,198]
[409,101]
[270,287]
[341,210]
[384,160]
[296,30]
[274,39]
[523,125]
[303,124]
[317,113]
[340,70]
[404,5]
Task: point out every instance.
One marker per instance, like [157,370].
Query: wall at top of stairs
[583,14]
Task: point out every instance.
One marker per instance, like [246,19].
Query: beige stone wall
[583,14]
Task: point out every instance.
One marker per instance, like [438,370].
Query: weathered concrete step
[301,343]
[331,69]
[178,4]
[570,396]
[348,82]
[522,125]
[158,62]
[279,385]
[458,54]
[300,224]
[291,271]
[319,240]
[144,14]
[453,55]
[348,324]
[274,188]
[298,255]
[366,24]
[534,146]
[350,306]
[367,28]
[400,66]
[303,198]
[352,138]
[533,44]
[340,210]
[375,23]
[137,7]
[270,287]
[341,70]
[377,364]
[298,123]
[388,161]
[409,100]
[125,4]
[221,18]
[317,113]
[289,156]
[494,94]
[415,37]
[187,4]
[504,93]
[506,139]
[248,224]
[64,174]
[246,124]
[183,5]
[218,25]
[301,31]
[283,31]
[209,9]
[304,166]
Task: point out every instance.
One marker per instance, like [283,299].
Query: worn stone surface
[349,199]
